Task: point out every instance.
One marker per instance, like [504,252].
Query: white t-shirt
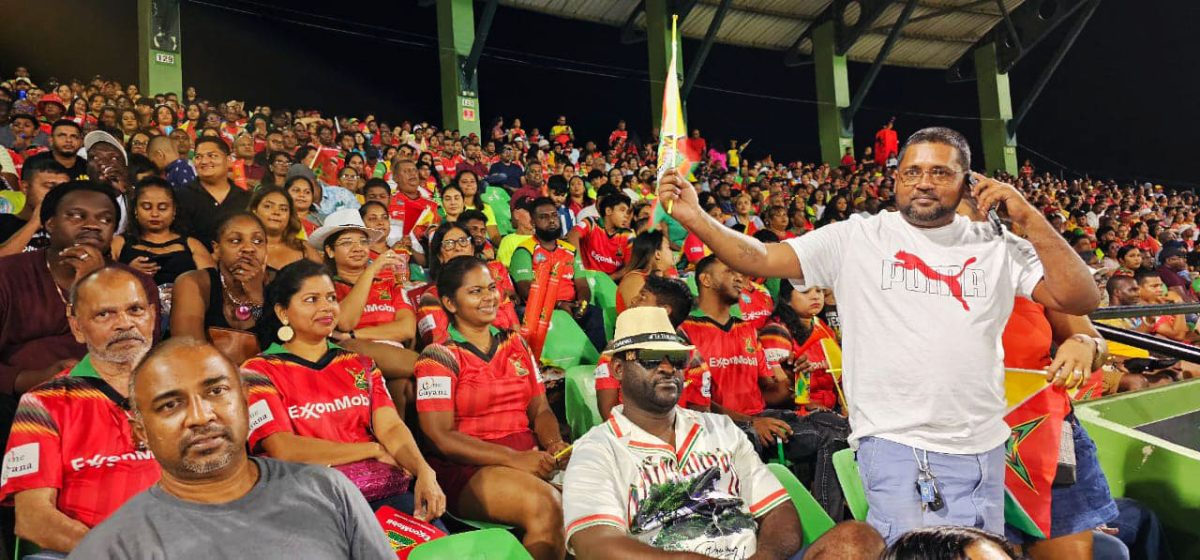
[923,361]
[671,498]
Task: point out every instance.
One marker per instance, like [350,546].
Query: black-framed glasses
[651,359]
[449,244]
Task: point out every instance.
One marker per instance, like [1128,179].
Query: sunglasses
[651,359]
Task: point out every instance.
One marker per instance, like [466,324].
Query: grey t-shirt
[294,511]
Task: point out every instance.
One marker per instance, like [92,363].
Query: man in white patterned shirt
[660,481]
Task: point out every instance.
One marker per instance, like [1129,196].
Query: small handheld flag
[673,150]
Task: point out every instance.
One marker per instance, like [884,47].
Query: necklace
[244,310]
[61,296]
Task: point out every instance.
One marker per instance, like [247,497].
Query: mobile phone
[992,216]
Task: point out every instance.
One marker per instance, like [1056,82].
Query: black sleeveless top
[214,316]
[170,264]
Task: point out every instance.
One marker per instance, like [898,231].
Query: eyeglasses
[449,244]
[651,359]
[940,176]
[347,243]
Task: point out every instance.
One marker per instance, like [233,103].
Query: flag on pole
[673,149]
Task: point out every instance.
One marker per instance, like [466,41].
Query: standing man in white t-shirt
[923,296]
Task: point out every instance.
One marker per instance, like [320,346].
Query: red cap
[51,98]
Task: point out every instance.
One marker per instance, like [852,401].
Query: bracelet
[1099,348]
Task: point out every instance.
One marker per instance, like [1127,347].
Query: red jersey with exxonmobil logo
[488,390]
[331,399]
[408,210]
[734,356]
[69,436]
[755,304]
[599,250]
[433,323]
[385,300]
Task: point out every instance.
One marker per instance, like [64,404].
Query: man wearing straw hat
[657,477]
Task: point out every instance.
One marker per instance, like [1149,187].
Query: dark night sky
[1118,106]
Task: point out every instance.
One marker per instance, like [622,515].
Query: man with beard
[71,458]
[108,163]
[545,249]
[65,139]
[661,481]
[212,197]
[923,297]
[189,406]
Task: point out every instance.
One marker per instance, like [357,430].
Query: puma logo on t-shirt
[953,282]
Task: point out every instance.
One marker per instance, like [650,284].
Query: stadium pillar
[460,93]
[833,95]
[160,64]
[995,110]
[658,44]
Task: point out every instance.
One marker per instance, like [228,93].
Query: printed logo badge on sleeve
[260,413]
[20,461]
[433,388]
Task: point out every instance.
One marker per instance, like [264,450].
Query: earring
[285,333]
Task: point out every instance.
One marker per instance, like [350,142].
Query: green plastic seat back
[814,522]
[566,344]
[581,408]
[485,544]
[604,294]
[847,474]
[690,280]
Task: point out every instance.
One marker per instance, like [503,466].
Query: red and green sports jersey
[386,299]
[530,256]
[433,324]
[69,436]
[489,393]
[331,399]
[755,305]
[781,349]
[408,210]
[601,251]
[734,356]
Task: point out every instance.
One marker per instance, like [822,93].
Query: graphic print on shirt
[912,274]
[689,508]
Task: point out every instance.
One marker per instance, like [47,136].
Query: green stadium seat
[486,544]
[581,408]
[847,473]
[814,522]
[22,548]
[604,295]
[498,199]
[566,344]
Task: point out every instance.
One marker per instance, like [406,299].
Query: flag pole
[674,25]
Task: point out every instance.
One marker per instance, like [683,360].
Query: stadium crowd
[204,304]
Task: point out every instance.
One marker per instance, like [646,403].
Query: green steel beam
[833,94]
[160,60]
[460,93]
[658,45]
[995,111]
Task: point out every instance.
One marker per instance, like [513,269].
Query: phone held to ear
[992,216]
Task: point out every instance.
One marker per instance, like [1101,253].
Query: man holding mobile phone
[923,296]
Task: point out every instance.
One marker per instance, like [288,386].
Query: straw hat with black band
[645,328]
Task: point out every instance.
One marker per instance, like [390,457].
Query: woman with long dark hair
[154,243]
[274,207]
[366,439]
[451,240]
[651,256]
[792,339]
[837,211]
[483,408]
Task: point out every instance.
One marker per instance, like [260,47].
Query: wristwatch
[1099,345]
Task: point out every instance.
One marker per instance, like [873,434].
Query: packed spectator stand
[439,316]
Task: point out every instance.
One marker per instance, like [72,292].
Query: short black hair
[66,122]
[944,136]
[57,194]
[25,116]
[377,182]
[539,202]
[613,201]
[215,140]
[673,293]
[1114,283]
[705,264]
[1143,274]
[472,215]
[38,166]
[942,543]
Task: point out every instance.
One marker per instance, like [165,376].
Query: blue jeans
[972,487]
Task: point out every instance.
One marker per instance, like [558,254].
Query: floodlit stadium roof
[938,32]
